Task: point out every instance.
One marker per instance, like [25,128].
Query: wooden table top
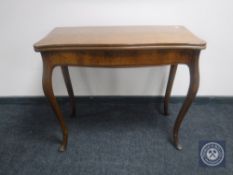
[119,37]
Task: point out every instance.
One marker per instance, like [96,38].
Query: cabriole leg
[169,87]
[67,80]
[48,91]
[193,88]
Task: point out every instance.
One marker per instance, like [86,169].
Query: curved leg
[169,87]
[193,88]
[48,91]
[66,76]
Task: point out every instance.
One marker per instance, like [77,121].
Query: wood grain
[119,37]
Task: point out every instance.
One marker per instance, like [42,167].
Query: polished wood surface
[171,78]
[119,58]
[66,76]
[118,47]
[123,37]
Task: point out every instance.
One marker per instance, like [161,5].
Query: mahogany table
[120,46]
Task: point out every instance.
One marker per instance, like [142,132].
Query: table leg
[193,88]
[48,91]
[67,80]
[169,87]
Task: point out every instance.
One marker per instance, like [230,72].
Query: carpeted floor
[111,137]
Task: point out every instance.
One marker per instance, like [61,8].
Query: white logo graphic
[212,154]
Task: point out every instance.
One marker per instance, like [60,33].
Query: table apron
[119,58]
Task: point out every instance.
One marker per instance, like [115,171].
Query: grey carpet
[112,138]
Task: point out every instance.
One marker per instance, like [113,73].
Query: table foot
[62,148]
[175,142]
[63,145]
[178,147]
[169,88]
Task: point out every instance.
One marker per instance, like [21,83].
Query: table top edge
[50,43]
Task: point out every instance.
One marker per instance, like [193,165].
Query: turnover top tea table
[120,46]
